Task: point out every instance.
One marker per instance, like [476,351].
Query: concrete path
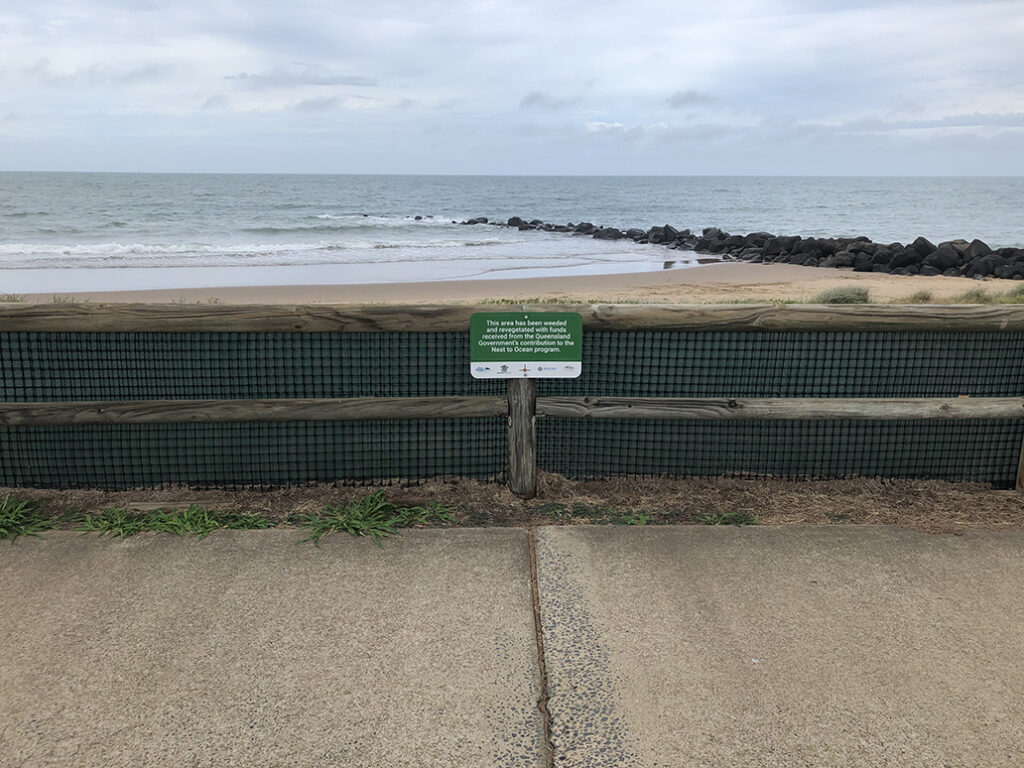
[692,646]
[248,649]
[779,646]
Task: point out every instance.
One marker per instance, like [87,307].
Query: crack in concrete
[542,701]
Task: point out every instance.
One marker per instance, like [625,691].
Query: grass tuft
[372,516]
[19,517]
[729,518]
[194,521]
[847,294]
[976,296]
[11,298]
[918,297]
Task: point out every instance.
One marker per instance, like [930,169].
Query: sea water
[62,232]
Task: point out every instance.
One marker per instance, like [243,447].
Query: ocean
[64,232]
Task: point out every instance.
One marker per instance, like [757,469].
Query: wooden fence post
[522,437]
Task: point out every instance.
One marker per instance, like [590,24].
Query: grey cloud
[217,101]
[681,99]
[320,104]
[284,78]
[541,100]
[974,120]
[42,73]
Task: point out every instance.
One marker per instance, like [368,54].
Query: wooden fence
[521,405]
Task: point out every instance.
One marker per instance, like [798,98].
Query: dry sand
[705,284]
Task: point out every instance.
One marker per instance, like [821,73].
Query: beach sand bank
[703,285]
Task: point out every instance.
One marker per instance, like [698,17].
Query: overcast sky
[523,86]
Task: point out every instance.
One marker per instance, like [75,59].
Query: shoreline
[715,283]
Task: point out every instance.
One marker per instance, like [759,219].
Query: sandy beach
[704,284]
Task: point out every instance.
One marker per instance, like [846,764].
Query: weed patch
[19,517]
[194,521]
[372,516]
[729,518]
[847,294]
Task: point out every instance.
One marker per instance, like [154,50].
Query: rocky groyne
[955,258]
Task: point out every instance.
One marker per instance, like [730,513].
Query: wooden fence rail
[522,407]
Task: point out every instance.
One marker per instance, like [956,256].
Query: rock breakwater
[955,258]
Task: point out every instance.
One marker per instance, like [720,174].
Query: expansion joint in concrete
[542,700]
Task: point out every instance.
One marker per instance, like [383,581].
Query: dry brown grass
[926,505]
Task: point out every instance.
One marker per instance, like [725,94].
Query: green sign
[532,345]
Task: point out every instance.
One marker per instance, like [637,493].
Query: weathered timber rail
[522,406]
[218,318]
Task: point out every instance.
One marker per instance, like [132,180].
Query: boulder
[942,258]
[863,262]
[984,266]
[903,257]
[636,234]
[608,233]
[977,248]
[656,235]
[840,259]
[477,220]
[585,227]
[515,221]
[922,247]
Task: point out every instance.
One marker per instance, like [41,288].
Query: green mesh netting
[142,366]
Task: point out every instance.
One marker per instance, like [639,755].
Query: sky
[662,87]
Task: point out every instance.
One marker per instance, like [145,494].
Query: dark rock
[671,233]
[656,235]
[535,222]
[515,221]
[929,271]
[758,239]
[903,257]
[922,246]
[952,272]
[735,241]
[913,269]
[942,258]
[713,233]
[776,245]
[608,233]
[417,218]
[983,266]
[636,234]
[585,227]
[862,262]
[977,248]
[477,220]
[841,259]
[863,246]
[562,228]
[882,256]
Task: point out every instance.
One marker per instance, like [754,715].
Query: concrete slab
[249,649]
[783,646]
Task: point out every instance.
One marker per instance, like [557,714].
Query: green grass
[194,521]
[918,297]
[847,294]
[729,518]
[372,516]
[19,517]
